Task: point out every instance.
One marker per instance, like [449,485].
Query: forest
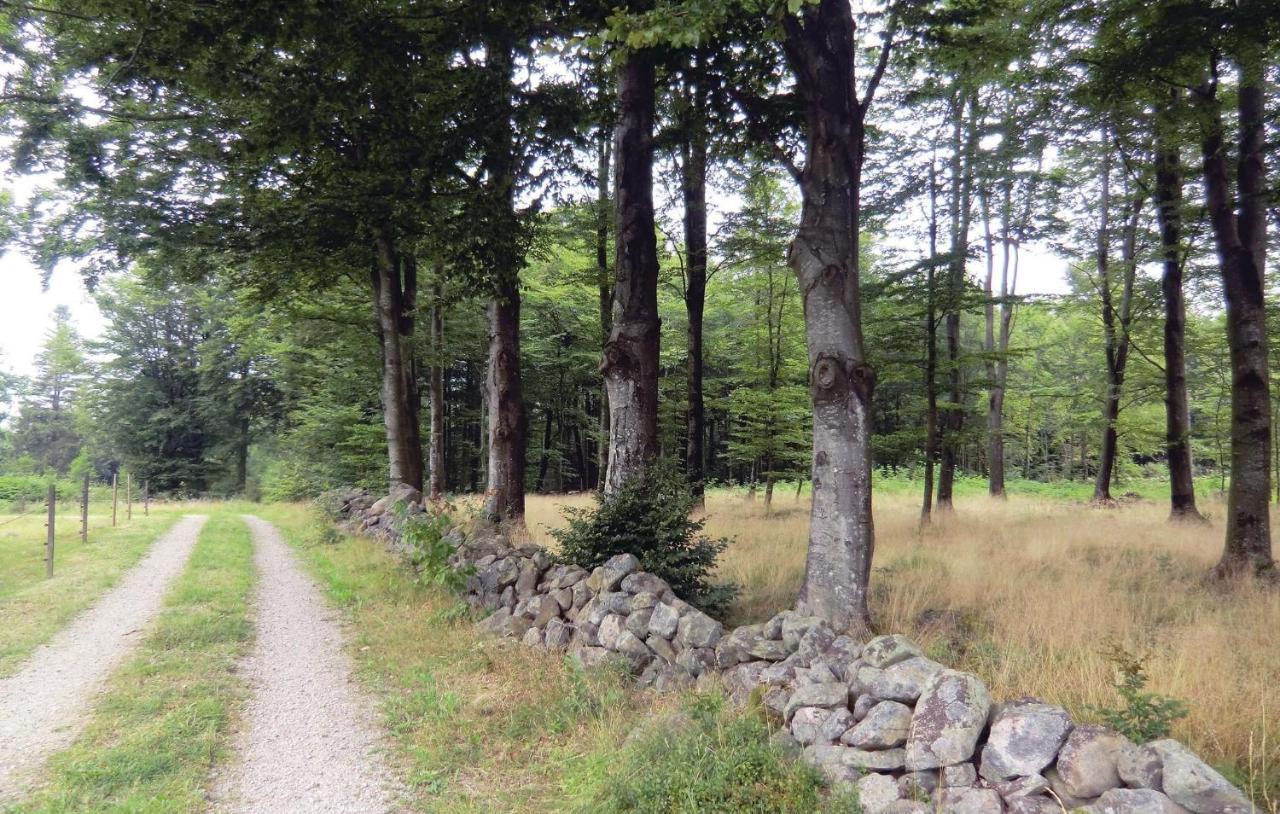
[947,253]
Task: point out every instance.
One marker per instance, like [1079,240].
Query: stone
[611,627]
[827,696]
[697,660]
[1033,805]
[563,598]
[1133,801]
[696,629]
[643,601]
[1032,785]
[842,652]
[793,627]
[781,739]
[960,775]
[767,649]
[741,680]
[876,792]
[540,609]
[885,727]
[581,594]
[806,725]
[918,785]
[886,651]
[949,717]
[503,623]
[663,621]
[527,580]
[773,627]
[1194,785]
[644,582]
[1061,793]
[506,572]
[780,672]
[557,634]
[905,680]
[1025,738]
[734,647]
[532,637]
[1087,762]
[638,622]
[863,705]
[819,673]
[776,699]
[571,576]
[661,648]
[907,807]
[1141,767]
[828,758]
[814,642]
[837,723]
[588,657]
[971,800]
[864,675]
[629,645]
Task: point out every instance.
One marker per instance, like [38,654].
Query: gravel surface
[44,705]
[308,740]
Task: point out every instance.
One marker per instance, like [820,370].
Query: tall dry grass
[1038,590]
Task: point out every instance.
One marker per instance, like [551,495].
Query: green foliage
[430,545]
[1142,716]
[650,517]
[707,759]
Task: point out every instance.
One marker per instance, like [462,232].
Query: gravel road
[308,741]
[44,705]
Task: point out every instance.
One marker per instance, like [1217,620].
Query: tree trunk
[630,359]
[604,285]
[1241,244]
[544,460]
[953,415]
[395,291]
[824,256]
[435,444]
[504,500]
[1168,199]
[694,188]
[931,354]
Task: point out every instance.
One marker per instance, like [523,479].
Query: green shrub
[706,760]
[1141,716]
[649,516]
[429,545]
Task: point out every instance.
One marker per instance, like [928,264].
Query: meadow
[1033,593]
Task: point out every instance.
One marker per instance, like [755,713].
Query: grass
[34,608]
[1038,591]
[163,721]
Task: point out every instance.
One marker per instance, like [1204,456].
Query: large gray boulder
[1133,801]
[1025,738]
[886,651]
[827,696]
[970,800]
[696,629]
[876,792]
[1088,761]
[885,727]
[1194,785]
[905,680]
[949,717]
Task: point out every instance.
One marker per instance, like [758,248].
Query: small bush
[707,760]
[649,517]
[429,544]
[1142,716]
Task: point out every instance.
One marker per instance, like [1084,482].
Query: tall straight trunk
[953,415]
[242,457]
[1115,322]
[630,358]
[1168,200]
[507,420]
[931,354]
[544,460]
[604,285]
[999,324]
[508,430]
[694,188]
[824,256]
[395,291]
[435,387]
[1241,244]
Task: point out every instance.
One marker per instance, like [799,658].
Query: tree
[630,358]
[46,428]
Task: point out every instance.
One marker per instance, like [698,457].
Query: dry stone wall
[911,734]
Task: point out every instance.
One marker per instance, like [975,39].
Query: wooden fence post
[115,491]
[84,511]
[48,543]
[128,497]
